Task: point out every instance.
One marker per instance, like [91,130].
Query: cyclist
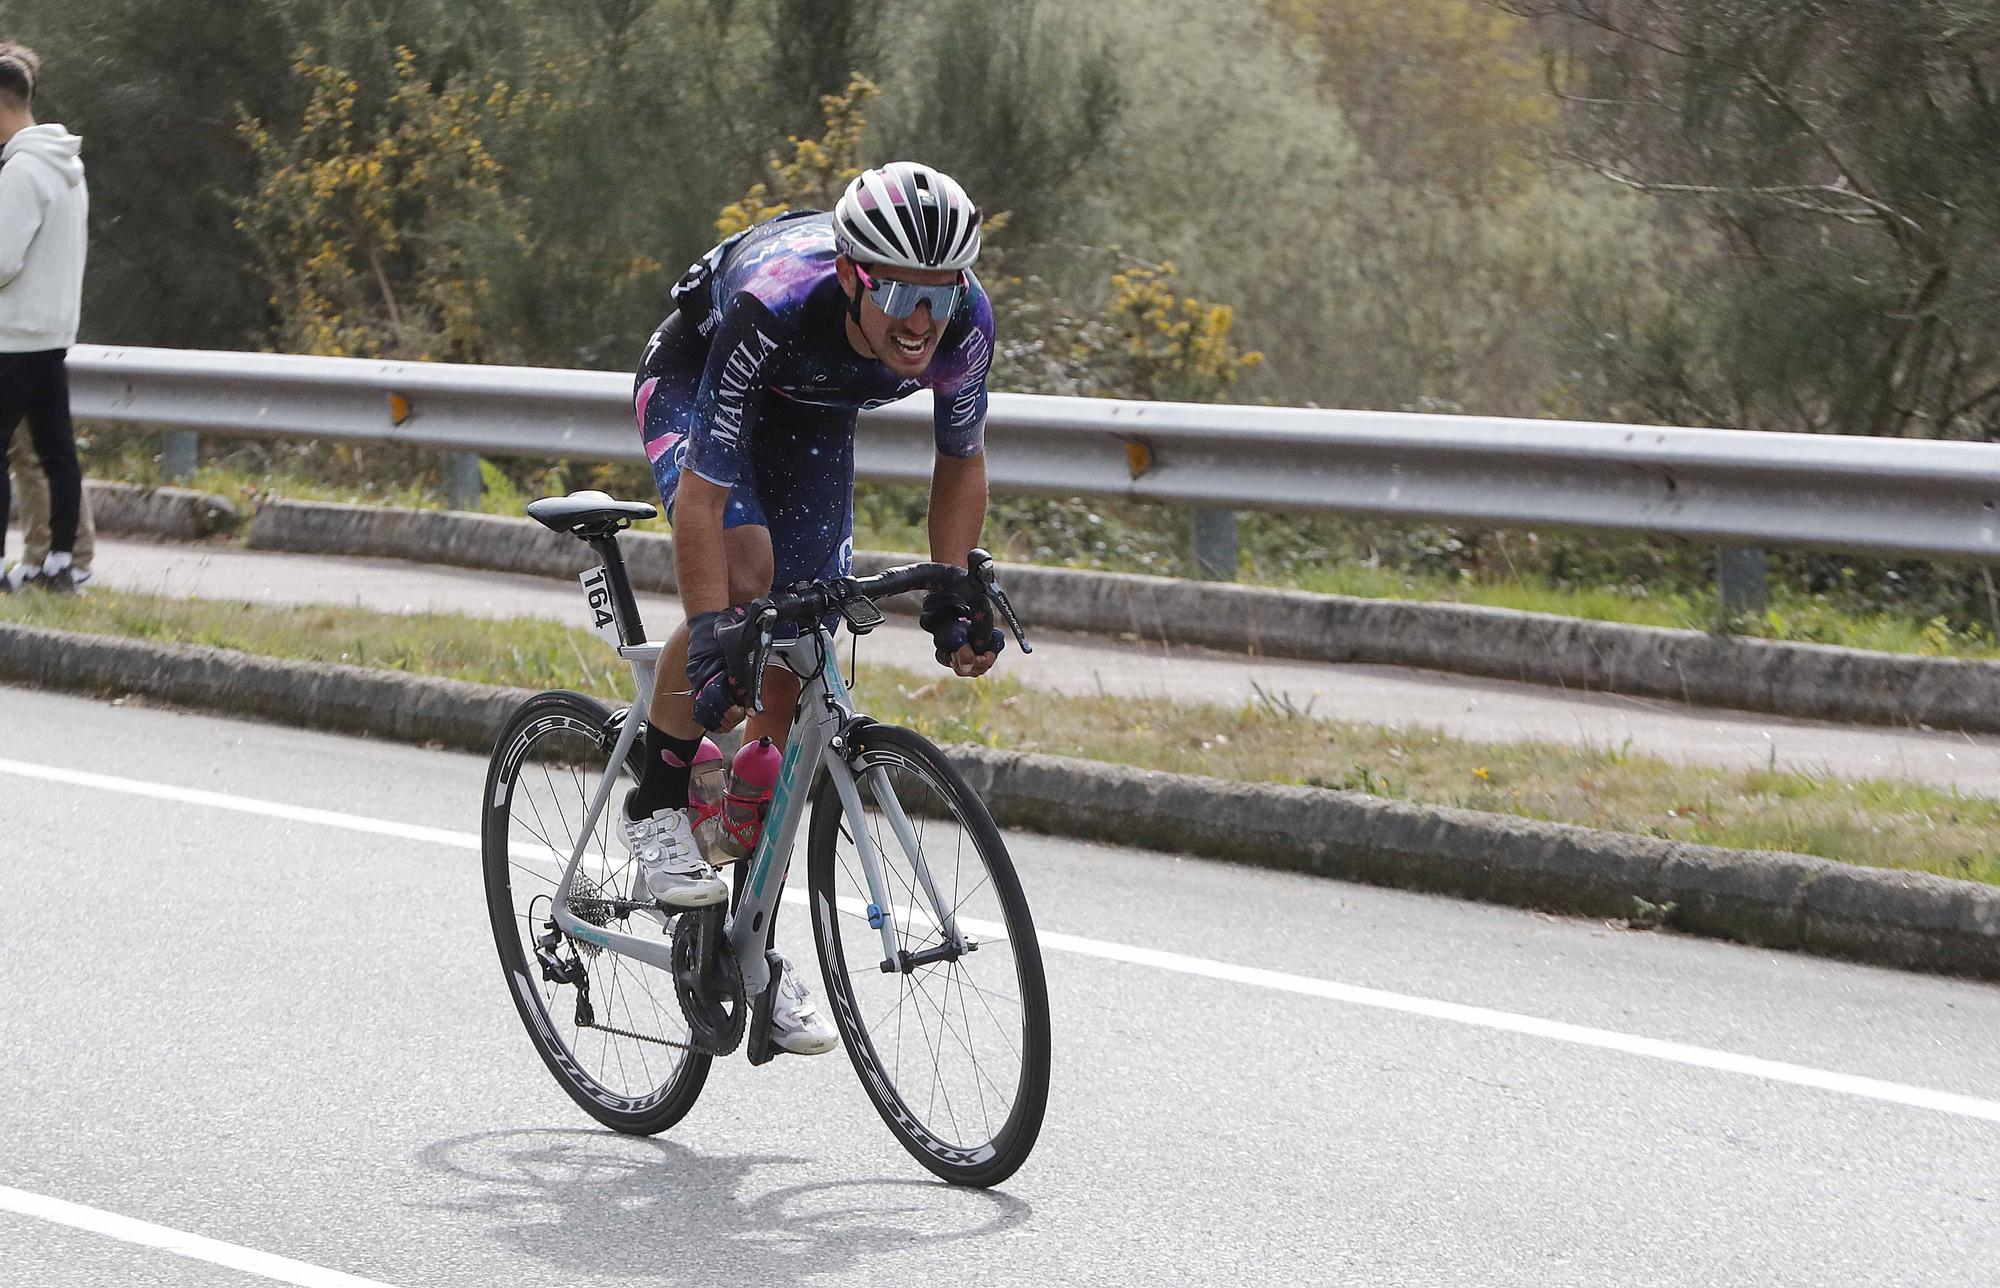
[746,398]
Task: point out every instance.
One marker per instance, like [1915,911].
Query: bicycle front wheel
[952,1046]
[610,1029]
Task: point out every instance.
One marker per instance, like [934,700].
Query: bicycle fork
[882,909]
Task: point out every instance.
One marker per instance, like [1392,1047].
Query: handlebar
[814,601]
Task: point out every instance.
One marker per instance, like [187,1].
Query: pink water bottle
[705,787]
[747,793]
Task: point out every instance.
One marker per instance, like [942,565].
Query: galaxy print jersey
[769,303]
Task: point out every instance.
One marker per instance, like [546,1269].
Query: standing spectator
[31,499]
[43,209]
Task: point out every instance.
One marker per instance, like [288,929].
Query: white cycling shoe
[672,866]
[796,1024]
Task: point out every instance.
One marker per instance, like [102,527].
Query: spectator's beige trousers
[31,502]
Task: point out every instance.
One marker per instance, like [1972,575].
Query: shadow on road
[599,1203]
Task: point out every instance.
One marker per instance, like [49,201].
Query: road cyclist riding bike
[634,966]
[747,397]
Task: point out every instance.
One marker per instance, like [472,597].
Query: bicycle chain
[647,1037]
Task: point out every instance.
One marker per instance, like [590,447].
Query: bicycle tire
[937,1132]
[616,1086]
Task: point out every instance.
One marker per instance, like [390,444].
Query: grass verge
[1874,822]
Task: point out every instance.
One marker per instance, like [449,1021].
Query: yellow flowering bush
[818,170]
[360,222]
[1170,347]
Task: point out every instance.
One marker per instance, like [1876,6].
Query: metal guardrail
[1885,496]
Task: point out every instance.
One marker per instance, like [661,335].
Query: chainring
[715,1017]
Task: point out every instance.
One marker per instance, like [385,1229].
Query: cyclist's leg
[805,483]
[746,544]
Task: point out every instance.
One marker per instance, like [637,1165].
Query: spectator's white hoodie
[43,208]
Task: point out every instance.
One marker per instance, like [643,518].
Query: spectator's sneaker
[66,582]
[674,872]
[796,1024]
[20,577]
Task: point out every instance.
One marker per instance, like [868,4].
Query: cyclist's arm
[958,478]
[699,558]
[958,381]
[958,506]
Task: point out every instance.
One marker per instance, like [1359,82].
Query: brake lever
[765,621]
[761,617]
[982,567]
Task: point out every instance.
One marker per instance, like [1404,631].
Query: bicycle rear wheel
[953,1050]
[609,1029]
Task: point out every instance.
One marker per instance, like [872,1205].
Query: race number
[597,590]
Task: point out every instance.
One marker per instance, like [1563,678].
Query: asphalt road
[1467,707]
[284,1036]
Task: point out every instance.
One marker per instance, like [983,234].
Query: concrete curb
[1911,920]
[340,699]
[172,513]
[1812,681]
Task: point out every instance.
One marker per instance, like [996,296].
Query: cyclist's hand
[720,684]
[967,641]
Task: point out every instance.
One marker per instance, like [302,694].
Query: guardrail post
[1215,545]
[463,485]
[179,449]
[1742,580]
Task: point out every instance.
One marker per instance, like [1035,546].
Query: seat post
[630,629]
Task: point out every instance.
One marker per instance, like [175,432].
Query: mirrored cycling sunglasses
[900,299]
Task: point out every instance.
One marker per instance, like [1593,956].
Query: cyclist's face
[905,345]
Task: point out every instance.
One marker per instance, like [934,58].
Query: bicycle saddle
[587,514]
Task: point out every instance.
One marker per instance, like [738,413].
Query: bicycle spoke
[937,1059]
[984,1117]
[945,1028]
[539,876]
[555,802]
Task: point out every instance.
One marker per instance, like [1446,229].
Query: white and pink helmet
[909,216]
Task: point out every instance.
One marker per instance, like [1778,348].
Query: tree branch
[1789,195]
[1897,222]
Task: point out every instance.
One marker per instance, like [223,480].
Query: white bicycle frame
[824,723]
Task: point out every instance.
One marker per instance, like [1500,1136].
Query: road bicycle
[932,970]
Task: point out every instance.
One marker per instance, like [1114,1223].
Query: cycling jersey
[754,386]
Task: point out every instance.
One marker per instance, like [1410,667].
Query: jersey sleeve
[734,384]
[958,381]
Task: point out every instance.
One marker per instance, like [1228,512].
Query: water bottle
[744,797]
[705,788]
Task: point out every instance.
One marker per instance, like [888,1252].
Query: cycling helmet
[909,216]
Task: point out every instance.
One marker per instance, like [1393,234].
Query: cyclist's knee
[751,563]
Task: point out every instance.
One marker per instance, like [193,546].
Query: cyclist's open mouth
[912,346]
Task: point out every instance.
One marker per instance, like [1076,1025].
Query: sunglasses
[900,299]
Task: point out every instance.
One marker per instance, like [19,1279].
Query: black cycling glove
[717,680]
[953,624]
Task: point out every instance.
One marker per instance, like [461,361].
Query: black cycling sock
[664,785]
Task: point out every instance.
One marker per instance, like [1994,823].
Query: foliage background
[1580,208]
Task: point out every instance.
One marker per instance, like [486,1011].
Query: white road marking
[124,1228]
[1457,1013]
[242,804]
